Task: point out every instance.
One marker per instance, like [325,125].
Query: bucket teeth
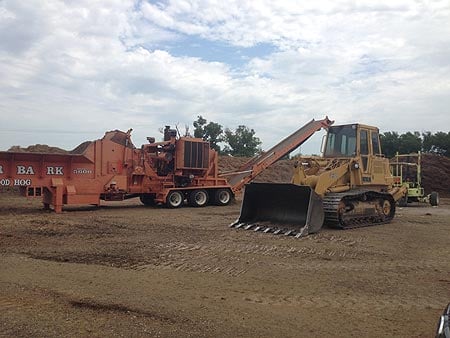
[289,232]
[297,233]
[303,232]
[258,227]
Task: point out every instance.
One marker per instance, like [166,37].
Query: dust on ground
[130,270]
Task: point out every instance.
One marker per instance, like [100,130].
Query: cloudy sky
[71,70]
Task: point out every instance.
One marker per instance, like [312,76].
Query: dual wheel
[198,197]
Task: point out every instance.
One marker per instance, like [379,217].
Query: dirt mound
[435,174]
[46,149]
[38,148]
[81,148]
[279,172]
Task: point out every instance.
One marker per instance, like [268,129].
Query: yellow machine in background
[407,171]
[349,186]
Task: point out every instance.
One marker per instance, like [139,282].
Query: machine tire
[386,208]
[434,198]
[174,199]
[147,199]
[198,198]
[222,197]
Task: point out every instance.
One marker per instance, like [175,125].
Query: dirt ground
[130,270]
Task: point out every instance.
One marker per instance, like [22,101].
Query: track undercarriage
[357,209]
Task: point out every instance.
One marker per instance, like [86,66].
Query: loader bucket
[286,208]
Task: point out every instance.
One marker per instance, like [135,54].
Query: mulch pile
[45,149]
[279,172]
[38,148]
[436,174]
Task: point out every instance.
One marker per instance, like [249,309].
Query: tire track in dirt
[233,259]
[257,249]
[228,258]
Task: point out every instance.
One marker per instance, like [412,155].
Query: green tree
[410,143]
[438,143]
[211,132]
[390,142]
[241,142]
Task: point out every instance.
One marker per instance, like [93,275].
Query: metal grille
[196,155]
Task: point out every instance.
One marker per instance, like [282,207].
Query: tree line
[412,142]
[243,142]
[239,142]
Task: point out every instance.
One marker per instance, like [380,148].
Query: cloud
[72,70]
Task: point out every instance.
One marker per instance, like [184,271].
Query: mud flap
[294,209]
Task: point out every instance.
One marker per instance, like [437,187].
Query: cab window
[364,148]
[376,143]
[364,143]
[341,141]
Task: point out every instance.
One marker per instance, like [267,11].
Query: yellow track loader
[349,186]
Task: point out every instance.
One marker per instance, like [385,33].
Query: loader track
[357,209]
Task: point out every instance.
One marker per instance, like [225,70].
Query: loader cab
[353,140]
